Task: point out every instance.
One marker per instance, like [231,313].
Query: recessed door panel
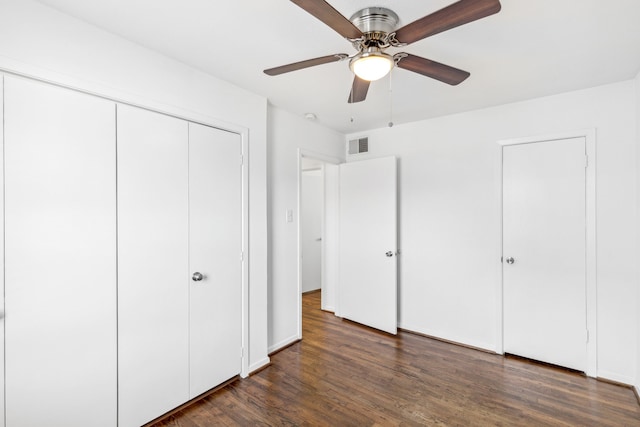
[60,268]
[215,223]
[544,251]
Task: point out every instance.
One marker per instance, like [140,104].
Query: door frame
[2,369]
[590,256]
[245,369]
[302,153]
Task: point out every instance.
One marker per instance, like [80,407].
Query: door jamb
[591,277]
[245,369]
[325,159]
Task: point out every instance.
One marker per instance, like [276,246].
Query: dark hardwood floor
[344,374]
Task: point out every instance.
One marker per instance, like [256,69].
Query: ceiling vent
[357,146]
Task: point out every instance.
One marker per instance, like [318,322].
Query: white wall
[449,216]
[287,134]
[41,42]
[311,213]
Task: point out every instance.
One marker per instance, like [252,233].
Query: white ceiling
[531,48]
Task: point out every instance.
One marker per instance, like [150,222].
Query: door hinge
[241,352]
[241,255]
[586,161]
[587,335]
[241,159]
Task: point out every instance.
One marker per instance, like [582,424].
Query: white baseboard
[616,378]
[257,366]
[283,343]
[329,308]
[478,345]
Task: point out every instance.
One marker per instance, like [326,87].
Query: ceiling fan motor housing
[376,23]
[375,19]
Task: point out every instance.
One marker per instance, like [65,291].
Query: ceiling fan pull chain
[390,98]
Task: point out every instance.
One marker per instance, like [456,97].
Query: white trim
[499,348]
[616,378]
[245,369]
[258,365]
[325,159]
[283,343]
[318,156]
[457,340]
[591,243]
[2,257]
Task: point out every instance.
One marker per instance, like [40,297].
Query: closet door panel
[60,265]
[215,197]
[153,268]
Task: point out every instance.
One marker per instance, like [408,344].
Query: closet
[179,266]
[123,240]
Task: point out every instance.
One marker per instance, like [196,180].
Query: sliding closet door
[215,212]
[153,265]
[60,264]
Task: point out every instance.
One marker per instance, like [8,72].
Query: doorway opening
[318,188]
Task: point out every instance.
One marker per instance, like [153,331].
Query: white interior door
[153,265]
[60,266]
[368,243]
[544,251]
[215,222]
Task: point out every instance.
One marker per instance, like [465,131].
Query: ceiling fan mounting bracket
[399,57]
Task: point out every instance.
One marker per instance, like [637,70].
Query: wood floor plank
[344,374]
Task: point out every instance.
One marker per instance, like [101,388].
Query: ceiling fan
[372,30]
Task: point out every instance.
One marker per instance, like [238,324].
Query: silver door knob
[389,254]
[197,277]
[510,260]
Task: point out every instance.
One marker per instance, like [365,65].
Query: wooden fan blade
[459,13]
[305,64]
[433,69]
[359,90]
[331,17]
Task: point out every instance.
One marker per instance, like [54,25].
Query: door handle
[197,277]
[510,260]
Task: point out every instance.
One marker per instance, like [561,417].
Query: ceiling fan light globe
[372,66]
